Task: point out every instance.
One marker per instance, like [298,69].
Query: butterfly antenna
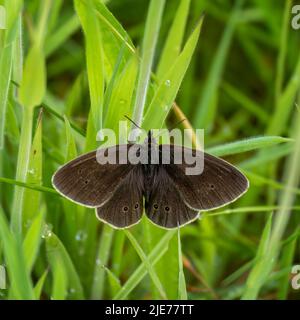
[133,122]
[177,124]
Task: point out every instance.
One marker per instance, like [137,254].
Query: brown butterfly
[172,198]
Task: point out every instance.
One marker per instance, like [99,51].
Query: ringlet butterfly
[172,198]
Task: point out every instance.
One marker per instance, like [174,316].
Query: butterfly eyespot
[105,152]
[167,208]
[138,153]
[211,186]
[155,206]
[125,209]
[86,181]
[136,206]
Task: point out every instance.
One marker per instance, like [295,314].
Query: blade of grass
[282,50]
[52,111]
[148,48]
[173,43]
[61,35]
[29,186]
[114,37]
[263,269]
[182,293]
[94,57]
[5,69]
[249,210]
[258,179]
[22,168]
[245,102]
[247,145]
[120,103]
[114,282]
[56,251]
[258,272]
[13,12]
[39,286]
[102,259]
[34,177]
[117,253]
[288,253]
[32,241]
[21,286]
[149,267]
[273,154]
[285,103]
[169,85]
[141,271]
[206,108]
[31,93]
[60,280]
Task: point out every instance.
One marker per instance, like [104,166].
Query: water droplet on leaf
[168,83]
[81,235]
[47,231]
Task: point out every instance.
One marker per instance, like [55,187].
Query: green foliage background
[69,68]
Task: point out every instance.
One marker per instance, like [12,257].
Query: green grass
[69,69]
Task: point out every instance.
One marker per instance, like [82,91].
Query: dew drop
[31,171]
[81,235]
[47,231]
[98,262]
[168,83]
[72,290]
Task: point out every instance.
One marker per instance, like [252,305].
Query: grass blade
[182,293]
[148,48]
[60,278]
[174,40]
[94,57]
[258,272]
[29,186]
[149,267]
[32,241]
[56,252]
[39,286]
[207,105]
[102,259]
[21,286]
[34,177]
[247,145]
[169,85]
[141,271]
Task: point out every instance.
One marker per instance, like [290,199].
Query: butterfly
[171,198]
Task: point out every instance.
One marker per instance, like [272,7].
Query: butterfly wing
[85,181]
[125,207]
[164,204]
[219,184]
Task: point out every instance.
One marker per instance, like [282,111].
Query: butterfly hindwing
[125,207]
[164,205]
[85,181]
[220,183]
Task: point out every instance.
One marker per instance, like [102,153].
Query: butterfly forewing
[85,181]
[220,183]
